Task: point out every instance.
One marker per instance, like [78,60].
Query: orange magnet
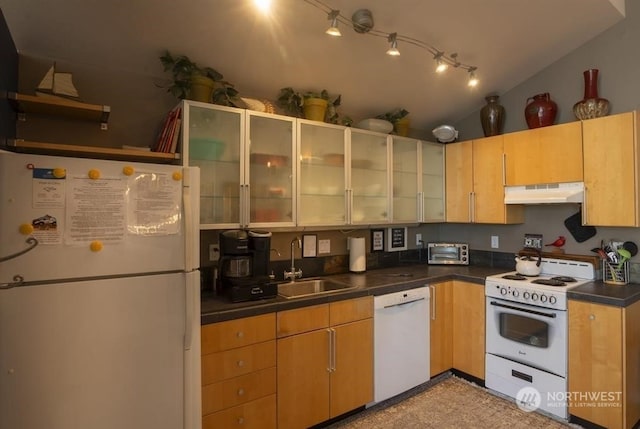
[26,229]
[59,173]
[96,246]
[177,175]
[128,170]
[94,174]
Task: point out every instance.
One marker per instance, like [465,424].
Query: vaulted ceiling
[508,41]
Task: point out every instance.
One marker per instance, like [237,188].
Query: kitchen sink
[310,287]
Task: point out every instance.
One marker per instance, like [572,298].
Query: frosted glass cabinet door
[405,179]
[369,177]
[433,182]
[271,174]
[321,174]
[212,137]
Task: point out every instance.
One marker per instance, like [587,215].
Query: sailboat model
[57,85]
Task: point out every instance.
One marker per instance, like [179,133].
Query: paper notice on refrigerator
[154,204]
[95,210]
[48,188]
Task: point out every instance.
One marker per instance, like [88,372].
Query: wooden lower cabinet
[440,330]
[325,368]
[239,373]
[604,363]
[469,328]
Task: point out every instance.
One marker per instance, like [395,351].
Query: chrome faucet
[293,274]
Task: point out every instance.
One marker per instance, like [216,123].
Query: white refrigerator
[99,294]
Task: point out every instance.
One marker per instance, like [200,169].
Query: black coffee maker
[244,265]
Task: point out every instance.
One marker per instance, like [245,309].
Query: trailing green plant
[394,115]
[292,102]
[183,70]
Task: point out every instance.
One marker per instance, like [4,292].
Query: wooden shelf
[24,104]
[26,146]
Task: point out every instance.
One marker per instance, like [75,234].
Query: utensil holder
[614,273]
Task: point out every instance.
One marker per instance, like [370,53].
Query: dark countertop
[389,280]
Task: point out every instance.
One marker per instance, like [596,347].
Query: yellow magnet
[128,170]
[177,175]
[26,229]
[96,246]
[94,174]
[59,173]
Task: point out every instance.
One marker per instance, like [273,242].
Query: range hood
[552,193]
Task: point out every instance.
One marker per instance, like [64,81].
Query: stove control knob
[534,296]
[543,298]
[552,300]
[515,293]
[526,295]
[503,291]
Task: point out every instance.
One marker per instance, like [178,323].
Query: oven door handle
[524,310]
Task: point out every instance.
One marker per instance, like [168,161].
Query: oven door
[528,334]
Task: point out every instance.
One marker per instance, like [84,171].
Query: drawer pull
[240,392]
[240,334]
[240,420]
[240,363]
[592,317]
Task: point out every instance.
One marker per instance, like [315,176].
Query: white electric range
[526,331]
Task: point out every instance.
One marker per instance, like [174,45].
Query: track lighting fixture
[333,29]
[362,22]
[393,49]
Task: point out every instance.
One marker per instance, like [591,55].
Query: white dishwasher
[401,342]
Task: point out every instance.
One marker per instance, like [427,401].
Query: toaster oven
[448,253]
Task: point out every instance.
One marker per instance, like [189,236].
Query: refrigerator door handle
[191,192]
[17,281]
[31,241]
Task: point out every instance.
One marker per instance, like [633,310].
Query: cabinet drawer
[232,363]
[239,390]
[258,414]
[238,333]
[350,310]
[302,320]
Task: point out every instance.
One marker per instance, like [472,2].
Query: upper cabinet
[611,160]
[246,162]
[432,190]
[405,193]
[322,174]
[544,155]
[475,183]
[369,193]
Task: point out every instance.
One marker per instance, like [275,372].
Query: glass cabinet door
[271,173]
[433,201]
[321,174]
[405,180]
[212,138]
[369,177]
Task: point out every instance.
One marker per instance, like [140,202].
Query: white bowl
[378,125]
[445,133]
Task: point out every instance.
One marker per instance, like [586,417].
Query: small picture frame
[396,239]
[377,240]
[309,245]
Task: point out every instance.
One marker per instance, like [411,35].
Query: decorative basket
[614,273]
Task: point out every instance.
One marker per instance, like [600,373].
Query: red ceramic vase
[591,106]
[540,111]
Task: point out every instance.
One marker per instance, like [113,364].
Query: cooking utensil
[626,255]
[579,232]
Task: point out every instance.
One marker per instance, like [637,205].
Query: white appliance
[99,294]
[401,342]
[526,330]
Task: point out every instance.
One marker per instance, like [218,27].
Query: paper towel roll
[357,255]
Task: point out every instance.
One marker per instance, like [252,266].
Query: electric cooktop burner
[549,282]
[565,279]
[514,277]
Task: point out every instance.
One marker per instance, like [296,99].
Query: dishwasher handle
[403,303]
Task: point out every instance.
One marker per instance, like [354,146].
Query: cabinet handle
[585,213]
[470,214]
[333,348]
[240,420]
[433,302]
[504,169]
[247,209]
[330,367]
[240,363]
[420,207]
[592,317]
[240,334]
[240,391]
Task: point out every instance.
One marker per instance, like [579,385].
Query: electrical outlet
[495,242]
[214,252]
[418,239]
[533,241]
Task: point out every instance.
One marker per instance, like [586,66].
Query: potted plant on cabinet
[400,120]
[197,83]
[317,106]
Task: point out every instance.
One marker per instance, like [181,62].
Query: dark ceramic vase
[492,116]
[540,111]
[591,106]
